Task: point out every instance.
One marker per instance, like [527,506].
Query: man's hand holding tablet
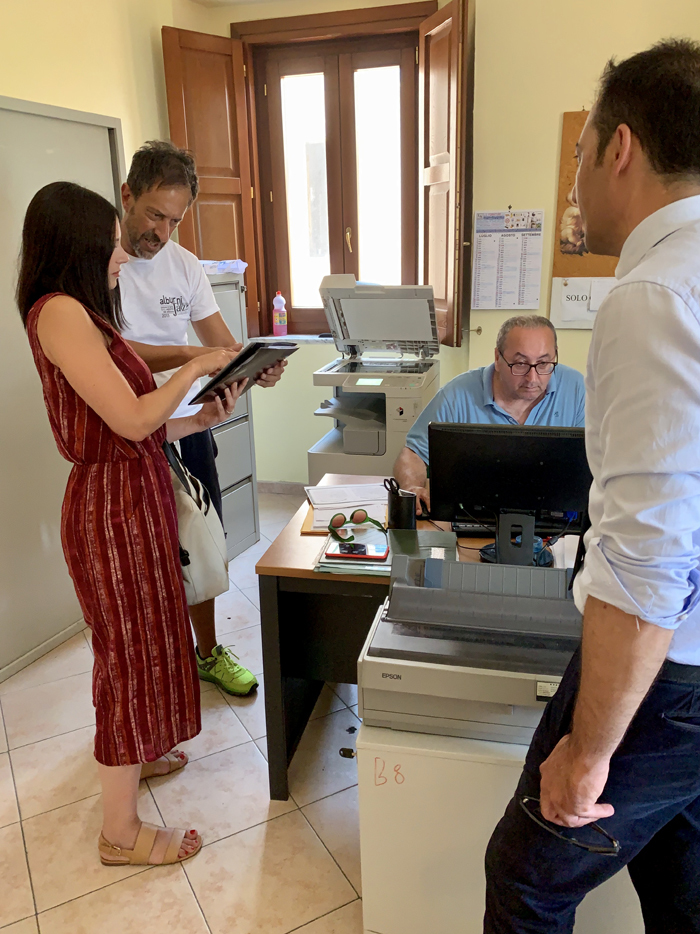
[258,361]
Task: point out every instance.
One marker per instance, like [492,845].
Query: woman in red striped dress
[119,525]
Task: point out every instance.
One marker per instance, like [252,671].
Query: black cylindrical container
[402,510]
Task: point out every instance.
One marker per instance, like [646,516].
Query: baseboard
[280,486]
[43,649]
[243,545]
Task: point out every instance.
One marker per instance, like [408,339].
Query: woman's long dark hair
[67,243]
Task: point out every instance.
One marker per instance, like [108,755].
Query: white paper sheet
[599,289]
[575,296]
[361,494]
[564,551]
[507,265]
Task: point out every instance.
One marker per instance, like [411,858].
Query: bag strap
[173,458]
[191,485]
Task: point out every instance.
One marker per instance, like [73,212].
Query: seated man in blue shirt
[524,386]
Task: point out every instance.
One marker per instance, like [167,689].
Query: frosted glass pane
[378,145]
[304,134]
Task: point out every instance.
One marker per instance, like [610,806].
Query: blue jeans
[534,881]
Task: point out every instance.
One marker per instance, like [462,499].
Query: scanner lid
[364,317]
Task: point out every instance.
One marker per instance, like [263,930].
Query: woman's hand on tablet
[213,413]
[210,363]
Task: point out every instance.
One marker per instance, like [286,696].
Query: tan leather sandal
[148,769]
[111,855]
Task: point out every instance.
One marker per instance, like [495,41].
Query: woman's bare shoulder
[61,312]
[63,320]
[62,305]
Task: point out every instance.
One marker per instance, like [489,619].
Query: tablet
[249,363]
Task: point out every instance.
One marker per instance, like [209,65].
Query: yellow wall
[535,59]
[217,19]
[94,55]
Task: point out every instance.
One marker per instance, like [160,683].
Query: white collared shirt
[643,432]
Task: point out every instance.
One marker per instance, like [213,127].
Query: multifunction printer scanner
[470,650]
[385,378]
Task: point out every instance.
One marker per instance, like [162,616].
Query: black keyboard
[468,529]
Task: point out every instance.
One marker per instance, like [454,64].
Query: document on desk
[507,265]
[343,497]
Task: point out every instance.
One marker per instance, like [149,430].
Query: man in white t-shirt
[163,290]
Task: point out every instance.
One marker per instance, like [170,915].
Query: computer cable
[467,547]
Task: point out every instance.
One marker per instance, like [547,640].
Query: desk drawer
[239,518]
[234,462]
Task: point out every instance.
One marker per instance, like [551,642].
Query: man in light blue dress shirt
[619,744]
[523,386]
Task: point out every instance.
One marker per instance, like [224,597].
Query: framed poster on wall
[580,280]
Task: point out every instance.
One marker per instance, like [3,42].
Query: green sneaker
[222,668]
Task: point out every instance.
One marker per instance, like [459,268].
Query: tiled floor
[266,867]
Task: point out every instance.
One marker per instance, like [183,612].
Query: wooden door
[207,109]
[445,103]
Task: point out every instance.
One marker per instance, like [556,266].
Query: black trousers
[535,881]
[199,456]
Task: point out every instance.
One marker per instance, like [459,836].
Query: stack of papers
[327,501]
[354,565]
[344,498]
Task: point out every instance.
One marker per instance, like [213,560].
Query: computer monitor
[482,472]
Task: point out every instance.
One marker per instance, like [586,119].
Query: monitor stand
[508,551]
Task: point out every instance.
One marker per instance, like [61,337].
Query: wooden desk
[313,629]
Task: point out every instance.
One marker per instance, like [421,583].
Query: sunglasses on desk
[357,517]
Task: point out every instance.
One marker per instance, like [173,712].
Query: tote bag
[202,541]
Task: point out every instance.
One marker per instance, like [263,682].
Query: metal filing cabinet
[235,461]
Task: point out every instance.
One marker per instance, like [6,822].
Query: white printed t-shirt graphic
[160,297]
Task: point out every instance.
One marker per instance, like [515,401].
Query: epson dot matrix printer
[387,375]
[466,649]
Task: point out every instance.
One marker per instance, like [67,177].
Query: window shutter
[207,109]
[445,105]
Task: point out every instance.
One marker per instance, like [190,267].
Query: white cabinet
[235,460]
[428,806]
[38,607]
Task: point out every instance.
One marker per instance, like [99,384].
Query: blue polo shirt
[468,398]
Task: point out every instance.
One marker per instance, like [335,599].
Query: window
[378,150]
[310,152]
[337,145]
[306,186]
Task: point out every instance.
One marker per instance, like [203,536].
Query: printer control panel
[386,382]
